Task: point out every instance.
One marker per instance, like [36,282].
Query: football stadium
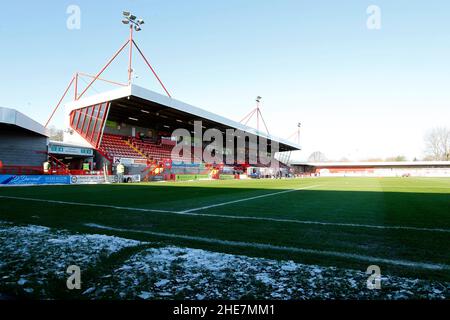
[147,197]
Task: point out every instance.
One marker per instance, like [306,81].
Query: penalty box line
[242,244]
[268,219]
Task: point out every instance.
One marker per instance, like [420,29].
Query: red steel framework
[74,80]
[256,111]
[92,130]
[296,134]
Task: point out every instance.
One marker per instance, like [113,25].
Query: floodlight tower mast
[258,113]
[135,25]
[297,132]
[258,101]
[130,70]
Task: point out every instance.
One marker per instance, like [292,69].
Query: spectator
[120,171]
[46,167]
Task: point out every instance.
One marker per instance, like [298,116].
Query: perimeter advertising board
[16,180]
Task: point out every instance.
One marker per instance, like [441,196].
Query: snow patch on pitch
[173,272]
[35,257]
[32,255]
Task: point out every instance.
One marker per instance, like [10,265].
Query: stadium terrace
[133,134]
[146,125]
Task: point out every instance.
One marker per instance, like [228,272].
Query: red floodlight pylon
[153,70]
[297,133]
[60,100]
[101,79]
[134,24]
[256,111]
[103,69]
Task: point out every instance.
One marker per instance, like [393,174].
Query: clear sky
[358,93]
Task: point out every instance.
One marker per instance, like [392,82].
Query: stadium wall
[374,169]
[20,148]
[389,172]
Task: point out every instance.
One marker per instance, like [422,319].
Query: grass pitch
[399,224]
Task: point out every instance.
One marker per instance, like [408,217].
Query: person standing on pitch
[46,167]
[120,171]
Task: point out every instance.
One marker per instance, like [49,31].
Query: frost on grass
[172,272]
[31,255]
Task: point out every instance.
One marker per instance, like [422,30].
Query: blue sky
[359,93]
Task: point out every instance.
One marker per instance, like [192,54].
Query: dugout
[72,156]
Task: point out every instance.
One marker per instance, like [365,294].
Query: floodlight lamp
[258,98]
[140,21]
[126,13]
[137,28]
[132,17]
[125,21]
[299,125]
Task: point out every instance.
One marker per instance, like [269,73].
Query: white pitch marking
[185,213]
[248,199]
[336,224]
[87,204]
[403,263]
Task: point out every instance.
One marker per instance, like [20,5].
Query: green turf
[410,202]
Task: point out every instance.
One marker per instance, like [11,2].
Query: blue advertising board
[14,180]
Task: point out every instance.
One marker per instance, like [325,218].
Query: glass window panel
[102,113]
[96,122]
[79,121]
[97,129]
[87,112]
[93,117]
[82,119]
[100,122]
[75,119]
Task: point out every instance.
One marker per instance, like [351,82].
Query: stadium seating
[152,150]
[119,146]
[130,147]
[116,146]
[156,151]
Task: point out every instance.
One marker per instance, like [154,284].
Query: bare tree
[396,159]
[317,156]
[437,144]
[372,160]
[56,134]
